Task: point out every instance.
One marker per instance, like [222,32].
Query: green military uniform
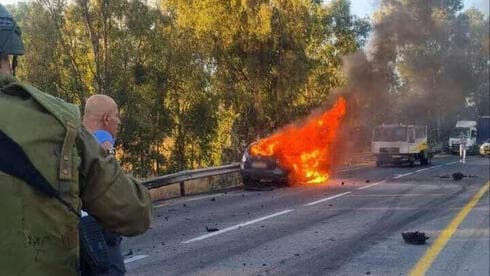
[39,234]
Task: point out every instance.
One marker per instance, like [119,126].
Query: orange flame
[306,150]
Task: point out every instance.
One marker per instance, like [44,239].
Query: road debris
[367,181]
[258,188]
[211,229]
[415,237]
[213,199]
[456,176]
[129,253]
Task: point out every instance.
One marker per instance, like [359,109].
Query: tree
[195,80]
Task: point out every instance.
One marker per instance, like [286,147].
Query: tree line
[197,81]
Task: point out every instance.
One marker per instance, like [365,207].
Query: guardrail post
[182,188]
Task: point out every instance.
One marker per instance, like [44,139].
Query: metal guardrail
[183,176]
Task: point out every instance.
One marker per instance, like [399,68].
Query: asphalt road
[350,225]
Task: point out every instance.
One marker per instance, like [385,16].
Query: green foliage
[196,81]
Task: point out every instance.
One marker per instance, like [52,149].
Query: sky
[363,7]
[367,7]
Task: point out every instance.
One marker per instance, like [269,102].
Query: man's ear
[105,119]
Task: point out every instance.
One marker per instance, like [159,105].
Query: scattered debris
[297,254]
[342,183]
[211,229]
[166,218]
[162,243]
[415,237]
[330,205]
[244,264]
[213,199]
[185,205]
[129,253]
[368,272]
[367,181]
[259,188]
[264,264]
[456,176]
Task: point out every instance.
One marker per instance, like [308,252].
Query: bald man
[101,118]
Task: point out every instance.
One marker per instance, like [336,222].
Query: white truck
[397,144]
[464,132]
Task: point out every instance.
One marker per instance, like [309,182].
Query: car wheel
[247,182]
[424,160]
[411,162]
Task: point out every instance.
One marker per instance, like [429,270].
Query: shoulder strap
[14,161]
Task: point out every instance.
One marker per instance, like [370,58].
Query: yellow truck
[399,143]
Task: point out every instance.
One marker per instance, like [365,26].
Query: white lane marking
[135,258]
[438,166]
[371,185]
[402,175]
[238,226]
[394,195]
[450,163]
[421,170]
[325,199]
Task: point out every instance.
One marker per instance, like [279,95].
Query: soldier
[49,167]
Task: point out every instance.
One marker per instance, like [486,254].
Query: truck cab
[396,144]
[465,132]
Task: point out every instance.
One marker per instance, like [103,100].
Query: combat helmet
[10,40]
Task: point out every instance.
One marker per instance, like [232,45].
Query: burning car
[257,169]
[298,153]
